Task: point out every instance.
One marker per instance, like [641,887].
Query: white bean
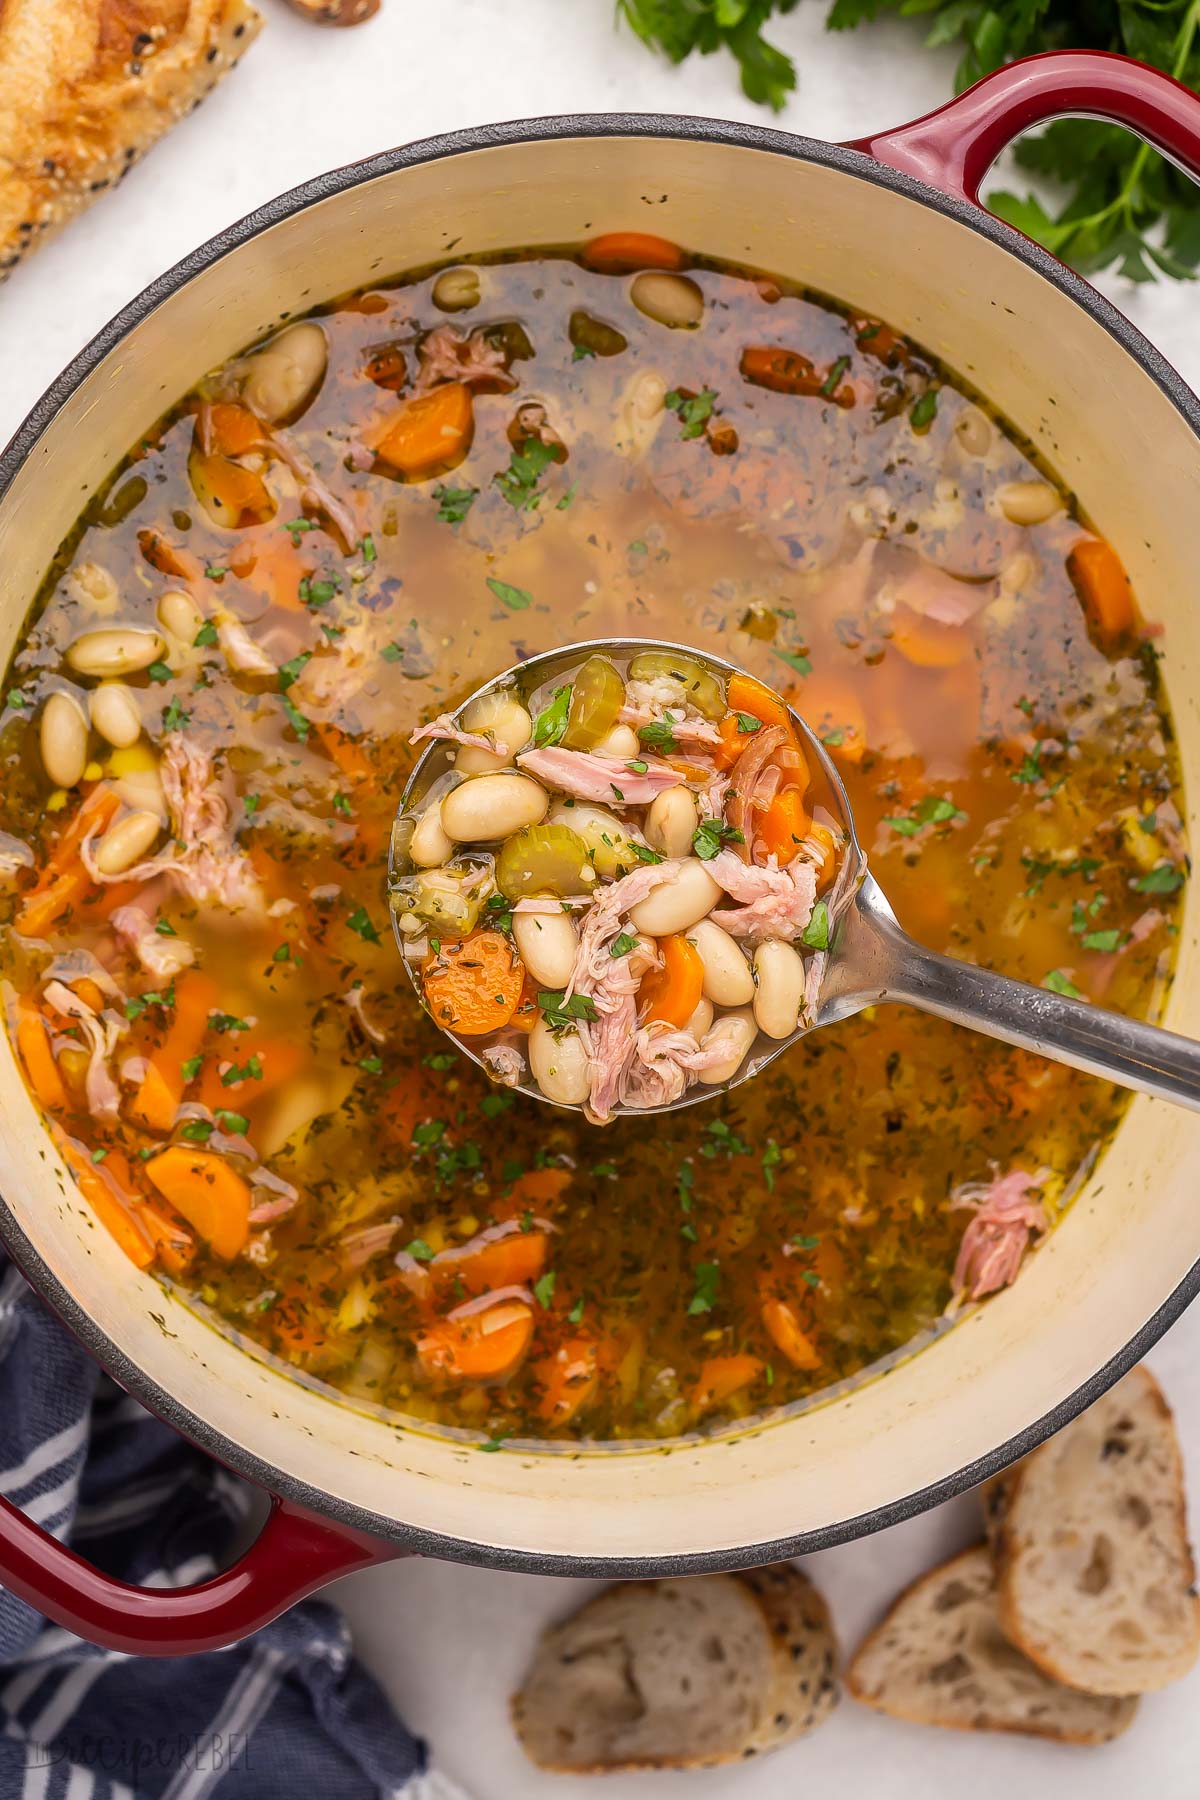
[738,1031]
[700,1019]
[621,741]
[973,431]
[502,717]
[492,806]
[179,616]
[457,290]
[727,975]
[672,820]
[677,905]
[142,789]
[779,988]
[668,299]
[126,842]
[559,1064]
[115,714]
[122,650]
[279,380]
[64,739]
[1028,502]
[609,841]
[93,587]
[547,943]
[641,413]
[429,847]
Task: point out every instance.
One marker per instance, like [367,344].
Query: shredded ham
[102,1034]
[772,902]
[242,654]
[994,1243]
[202,860]
[754,781]
[929,591]
[660,702]
[446,354]
[161,957]
[315,494]
[354,1000]
[586,775]
[14,856]
[504,1063]
[358,1247]
[665,1063]
[444,728]
[484,1302]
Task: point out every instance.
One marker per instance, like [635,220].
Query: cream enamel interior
[1113,434]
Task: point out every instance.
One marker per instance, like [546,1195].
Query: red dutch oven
[893,226]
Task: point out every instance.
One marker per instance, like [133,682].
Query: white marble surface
[449,1643]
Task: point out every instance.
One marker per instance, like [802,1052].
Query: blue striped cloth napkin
[287,1713]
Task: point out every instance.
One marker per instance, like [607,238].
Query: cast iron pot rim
[133,1378]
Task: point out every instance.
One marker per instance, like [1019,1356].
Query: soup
[206,735]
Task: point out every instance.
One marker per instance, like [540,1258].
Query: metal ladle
[870,959]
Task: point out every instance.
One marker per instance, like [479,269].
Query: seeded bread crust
[87,86]
[1095,1574]
[680,1674]
[939,1657]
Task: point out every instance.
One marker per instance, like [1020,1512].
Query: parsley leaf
[543,1288]
[360,922]
[519,482]
[622,944]
[708,1276]
[659,735]
[454,503]
[517,599]
[794,659]
[551,722]
[559,1012]
[694,410]
[1165,879]
[711,834]
[1057,983]
[815,935]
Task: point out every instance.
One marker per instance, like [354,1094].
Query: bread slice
[87,86]
[680,1674]
[940,1658]
[1093,1566]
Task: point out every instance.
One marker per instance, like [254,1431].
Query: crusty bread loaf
[940,1658]
[680,1674]
[1089,1534]
[86,86]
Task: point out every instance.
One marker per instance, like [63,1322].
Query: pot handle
[294,1554]
[953,148]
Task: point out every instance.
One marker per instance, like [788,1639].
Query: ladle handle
[884,963]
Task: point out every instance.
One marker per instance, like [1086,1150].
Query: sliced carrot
[175,1246]
[235,430]
[786,1333]
[33,1043]
[431,434]
[828,854]
[482,1346]
[277,1059]
[880,341]
[927,643]
[474,984]
[87,991]
[350,757]
[209,1193]
[567,1379]
[168,558]
[721,1376]
[241,494]
[411,1102]
[537,1187]
[483,1264]
[784,825]
[1098,576]
[620,252]
[673,992]
[746,695]
[783,371]
[63,880]
[157,1100]
[108,1190]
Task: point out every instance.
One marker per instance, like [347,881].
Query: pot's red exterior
[950,150]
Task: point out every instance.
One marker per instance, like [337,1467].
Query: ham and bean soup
[566,879]
[206,733]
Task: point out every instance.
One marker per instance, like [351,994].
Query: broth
[846,523]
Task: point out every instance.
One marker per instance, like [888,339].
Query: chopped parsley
[694,410]
[560,1012]
[925,411]
[222,1022]
[360,922]
[235,1123]
[371,1065]
[1104,941]
[296,719]
[771,1159]
[197,1131]
[645,854]
[251,1070]
[1030,770]
[515,598]
[318,593]
[519,482]
[1058,983]
[341,804]
[795,659]
[543,1288]
[191,1068]
[708,1276]
[815,935]
[174,716]
[576,1312]
[934,809]
[492,1106]
[206,636]
[289,671]
[830,383]
[164,928]
[711,834]
[622,944]
[747,723]
[551,722]
[419,1250]
[454,503]
[659,735]
[1165,879]
[295,528]
[16,698]
[720,1140]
